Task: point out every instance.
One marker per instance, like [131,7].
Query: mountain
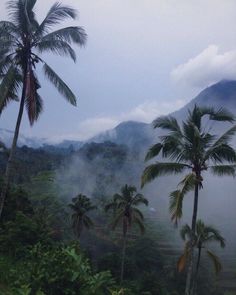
[221,94]
[141,135]
[133,134]
[138,135]
[33,142]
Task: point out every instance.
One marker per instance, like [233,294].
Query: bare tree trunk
[190,278]
[12,152]
[123,259]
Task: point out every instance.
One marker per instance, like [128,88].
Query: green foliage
[22,226]
[57,270]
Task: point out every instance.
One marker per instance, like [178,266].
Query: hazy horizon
[142,59]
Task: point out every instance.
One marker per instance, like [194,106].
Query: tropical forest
[144,204]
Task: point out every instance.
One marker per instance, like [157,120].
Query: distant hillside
[221,94]
[141,135]
[138,135]
[7,135]
[135,135]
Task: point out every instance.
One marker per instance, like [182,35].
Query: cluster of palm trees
[124,212]
[191,147]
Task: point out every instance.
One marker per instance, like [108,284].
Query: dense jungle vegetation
[90,230]
[44,250]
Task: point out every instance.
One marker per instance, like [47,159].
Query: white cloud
[208,67]
[145,112]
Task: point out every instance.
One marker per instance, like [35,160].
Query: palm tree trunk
[123,259]
[197,268]
[189,280]
[189,273]
[12,152]
[195,208]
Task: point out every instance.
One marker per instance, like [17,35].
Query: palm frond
[33,101]
[136,212]
[139,199]
[159,169]
[5,63]
[39,106]
[176,205]
[22,15]
[172,146]
[226,137]
[182,261]
[56,15]
[69,35]
[9,33]
[9,87]
[9,27]
[59,47]
[192,134]
[188,183]
[168,123]
[139,223]
[221,170]
[153,151]
[222,115]
[59,84]
[7,46]
[186,232]
[195,116]
[220,153]
[117,219]
[215,260]
[212,234]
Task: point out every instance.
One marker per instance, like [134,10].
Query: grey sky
[143,58]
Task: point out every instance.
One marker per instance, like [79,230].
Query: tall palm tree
[203,236]
[23,40]
[81,206]
[124,207]
[192,148]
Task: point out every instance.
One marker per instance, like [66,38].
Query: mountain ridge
[135,133]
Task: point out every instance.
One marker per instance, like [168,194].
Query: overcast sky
[143,58]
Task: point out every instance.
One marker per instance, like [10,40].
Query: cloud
[145,112]
[206,68]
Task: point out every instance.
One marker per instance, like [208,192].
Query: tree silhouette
[23,40]
[191,147]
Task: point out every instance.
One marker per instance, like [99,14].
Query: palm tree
[202,237]
[22,41]
[192,148]
[124,207]
[81,206]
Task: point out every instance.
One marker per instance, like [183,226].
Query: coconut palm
[124,207]
[81,206]
[203,236]
[22,41]
[191,147]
